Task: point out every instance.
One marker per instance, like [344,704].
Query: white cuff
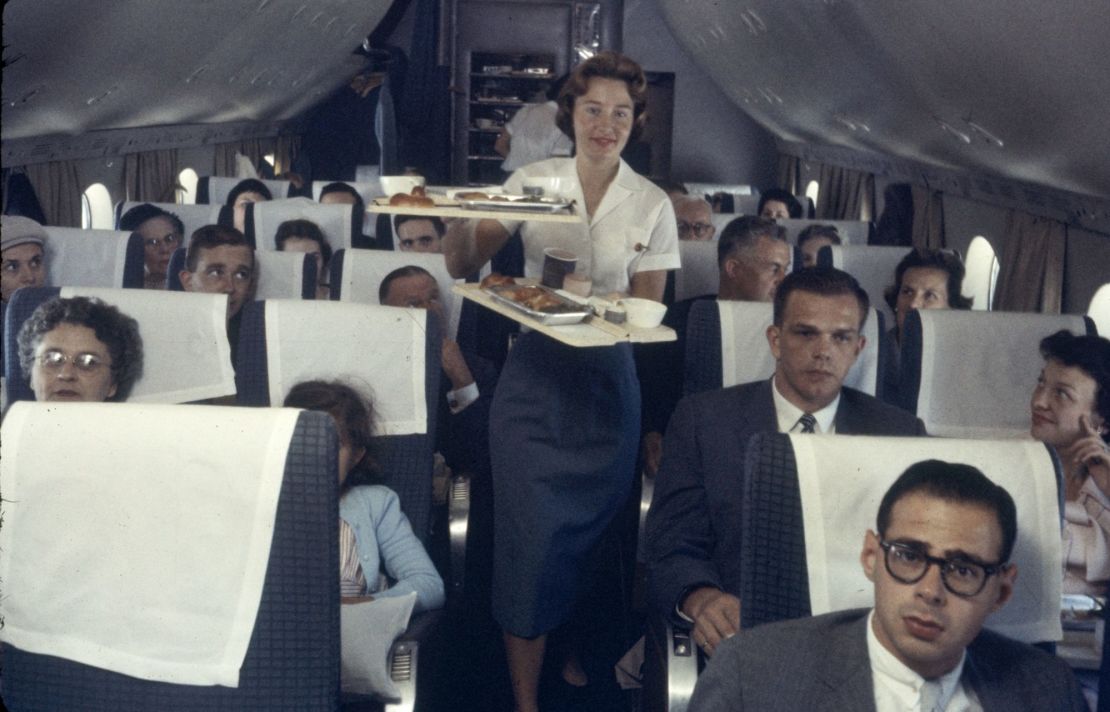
[459,399]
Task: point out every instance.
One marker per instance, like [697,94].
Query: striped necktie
[809,423]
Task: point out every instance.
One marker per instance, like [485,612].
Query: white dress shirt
[898,688]
[788,414]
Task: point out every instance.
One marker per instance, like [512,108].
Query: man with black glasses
[939,559]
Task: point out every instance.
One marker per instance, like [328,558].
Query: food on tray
[472,195]
[495,279]
[416,199]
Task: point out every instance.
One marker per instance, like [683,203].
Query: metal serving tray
[568,312]
[519,203]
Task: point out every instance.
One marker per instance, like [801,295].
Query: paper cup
[557,264]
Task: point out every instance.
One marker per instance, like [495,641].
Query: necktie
[930,696]
[808,422]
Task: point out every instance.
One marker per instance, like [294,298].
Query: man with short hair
[219,260]
[692,528]
[419,233]
[939,560]
[753,257]
[161,232]
[695,217]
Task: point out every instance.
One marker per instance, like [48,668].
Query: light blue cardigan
[385,539]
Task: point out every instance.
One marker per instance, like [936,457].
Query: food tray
[519,203]
[567,312]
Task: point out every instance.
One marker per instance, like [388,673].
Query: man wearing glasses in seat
[939,561]
[695,217]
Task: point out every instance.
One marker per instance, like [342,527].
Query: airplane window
[982,273]
[812,189]
[96,208]
[1099,311]
[187,192]
[269,158]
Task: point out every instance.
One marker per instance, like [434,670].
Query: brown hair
[353,414]
[604,65]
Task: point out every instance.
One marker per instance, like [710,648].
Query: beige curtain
[151,176]
[285,150]
[252,148]
[58,190]
[845,194]
[1031,264]
[928,218]
[790,173]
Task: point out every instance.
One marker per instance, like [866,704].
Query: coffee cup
[557,264]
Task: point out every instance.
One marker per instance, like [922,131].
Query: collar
[902,681]
[787,413]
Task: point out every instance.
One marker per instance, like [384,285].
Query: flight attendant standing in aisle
[565,421]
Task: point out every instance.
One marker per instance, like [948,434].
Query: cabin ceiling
[71,67]
[1013,88]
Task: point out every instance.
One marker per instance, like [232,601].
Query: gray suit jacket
[693,527]
[821,663]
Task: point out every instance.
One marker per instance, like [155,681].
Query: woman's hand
[1090,452]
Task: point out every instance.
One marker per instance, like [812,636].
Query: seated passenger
[419,233]
[922,646]
[813,238]
[80,349]
[161,233]
[1071,412]
[752,258]
[339,193]
[305,236]
[375,536]
[219,260]
[21,249]
[777,204]
[692,528]
[924,279]
[695,217]
[468,383]
[250,190]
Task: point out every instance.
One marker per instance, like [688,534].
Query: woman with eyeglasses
[161,233]
[80,349]
[1070,410]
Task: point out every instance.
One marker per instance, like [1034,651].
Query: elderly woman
[567,419]
[924,279]
[374,534]
[80,349]
[1070,410]
[21,248]
[161,233]
[307,237]
[250,190]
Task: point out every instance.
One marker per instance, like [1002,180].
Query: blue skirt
[564,435]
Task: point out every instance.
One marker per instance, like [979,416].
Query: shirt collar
[787,413]
[904,682]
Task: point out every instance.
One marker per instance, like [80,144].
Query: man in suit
[752,258]
[694,522]
[939,562]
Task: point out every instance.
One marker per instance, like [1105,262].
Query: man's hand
[1090,452]
[716,616]
[652,452]
[454,365]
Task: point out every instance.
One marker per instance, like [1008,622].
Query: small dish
[643,313]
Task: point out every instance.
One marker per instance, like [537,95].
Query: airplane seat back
[699,274]
[280,654]
[186,353]
[93,258]
[970,374]
[338,223]
[871,265]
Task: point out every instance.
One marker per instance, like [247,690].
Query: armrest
[404,658]
[458,520]
[670,667]
[647,490]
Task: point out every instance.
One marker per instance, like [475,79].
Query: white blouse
[633,229]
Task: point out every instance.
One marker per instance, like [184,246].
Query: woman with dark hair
[1070,411]
[567,419]
[924,279]
[374,534]
[80,349]
[777,204]
[307,237]
[249,190]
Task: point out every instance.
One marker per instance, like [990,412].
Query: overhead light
[954,131]
[985,133]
